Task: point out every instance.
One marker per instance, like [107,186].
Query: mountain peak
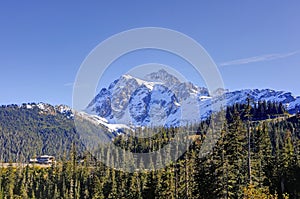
[127,76]
[164,77]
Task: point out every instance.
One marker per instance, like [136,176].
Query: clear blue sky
[256,44]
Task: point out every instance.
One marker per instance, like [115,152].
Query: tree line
[253,158]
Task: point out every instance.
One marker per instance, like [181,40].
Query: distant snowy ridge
[69,113]
[45,108]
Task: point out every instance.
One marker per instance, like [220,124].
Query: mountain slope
[35,129]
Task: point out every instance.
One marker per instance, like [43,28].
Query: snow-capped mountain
[45,108]
[162,99]
[133,101]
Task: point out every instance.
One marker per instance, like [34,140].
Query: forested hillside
[256,156]
[28,130]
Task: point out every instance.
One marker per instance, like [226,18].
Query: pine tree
[98,188]
[235,151]
[134,187]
